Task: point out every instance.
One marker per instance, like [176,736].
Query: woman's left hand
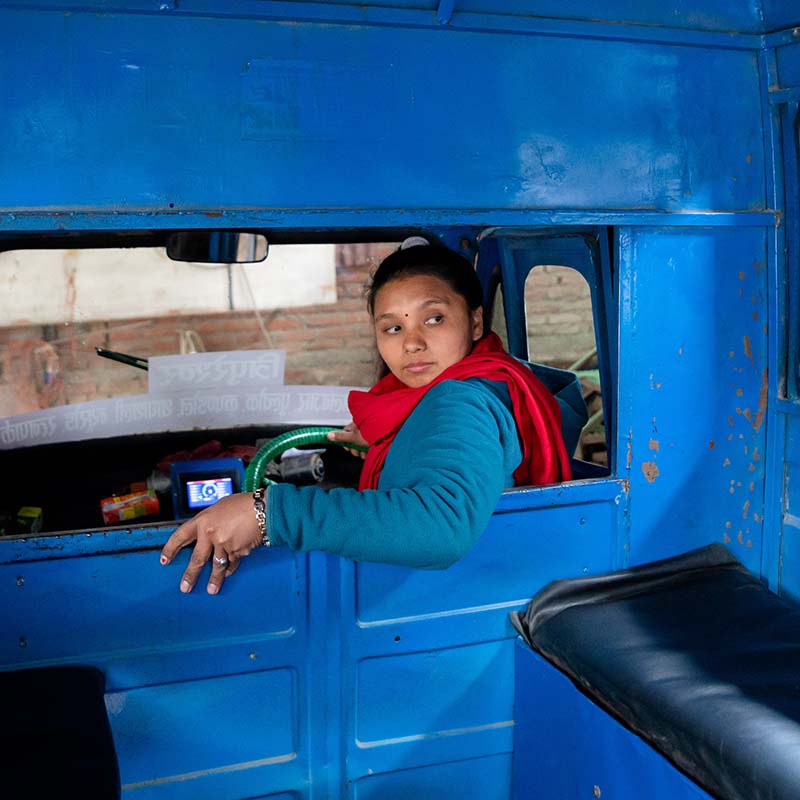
[224,533]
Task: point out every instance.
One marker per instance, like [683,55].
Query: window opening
[499,317]
[561,333]
[305,299]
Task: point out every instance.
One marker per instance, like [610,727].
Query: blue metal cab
[652,147]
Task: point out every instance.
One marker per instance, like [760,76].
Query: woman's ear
[477,324]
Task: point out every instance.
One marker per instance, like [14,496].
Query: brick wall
[559,313]
[49,365]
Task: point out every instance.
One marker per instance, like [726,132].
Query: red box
[119,508]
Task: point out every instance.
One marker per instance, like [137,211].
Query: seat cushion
[696,656]
[55,739]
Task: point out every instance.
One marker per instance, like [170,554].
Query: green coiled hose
[254,475]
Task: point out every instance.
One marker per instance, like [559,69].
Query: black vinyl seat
[55,737]
[696,656]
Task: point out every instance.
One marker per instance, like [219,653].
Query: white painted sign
[224,370]
[171,411]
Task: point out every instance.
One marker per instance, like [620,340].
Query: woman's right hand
[350,434]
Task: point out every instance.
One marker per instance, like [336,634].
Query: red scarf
[380,412]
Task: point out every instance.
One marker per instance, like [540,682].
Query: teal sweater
[443,476]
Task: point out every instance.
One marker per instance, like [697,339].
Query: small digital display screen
[206,492]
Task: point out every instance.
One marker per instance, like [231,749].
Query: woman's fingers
[201,553]
[219,570]
[349,435]
[233,565]
[182,536]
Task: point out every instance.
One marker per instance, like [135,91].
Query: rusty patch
[653,444]
[730,422]
[739,392]
[756,454]
[741,276]
[748,543]
[740,537]
[755,316]
[726,462]
[650,470]
[711,445]
[629,457]
[752,486]
[747,351]
[726,539]
[756,518]
[680,351]
[747,414]
[751,468]
[731,354]
[745,509]
[749,158]
[728,524]
[758,420]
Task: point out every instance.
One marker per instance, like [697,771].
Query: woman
[454,421]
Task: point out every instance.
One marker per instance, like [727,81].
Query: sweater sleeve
[441,481]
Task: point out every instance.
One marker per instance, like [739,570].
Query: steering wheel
[254,476]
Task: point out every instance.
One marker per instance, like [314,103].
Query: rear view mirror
[217,247]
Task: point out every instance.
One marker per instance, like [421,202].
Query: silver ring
[221,561]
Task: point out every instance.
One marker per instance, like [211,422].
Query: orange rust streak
[758,420]
[747,351]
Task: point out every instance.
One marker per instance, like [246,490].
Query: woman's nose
[414,342]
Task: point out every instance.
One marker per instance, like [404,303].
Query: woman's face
[422,327]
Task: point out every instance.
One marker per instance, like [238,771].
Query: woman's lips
[418,366]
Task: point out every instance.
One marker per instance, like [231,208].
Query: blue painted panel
[453,689]
[100,606]
[230,723]
[788,60]
[790,539]
[711,15]
[477,779]
[694,385]
[124,129]
[515,555]
[565,746]
[779,15]
[432,652]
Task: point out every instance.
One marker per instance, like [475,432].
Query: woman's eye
[392,329]
[435,320]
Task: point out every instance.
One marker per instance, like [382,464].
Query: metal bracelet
[260,507]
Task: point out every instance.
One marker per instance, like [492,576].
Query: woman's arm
[443,476]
